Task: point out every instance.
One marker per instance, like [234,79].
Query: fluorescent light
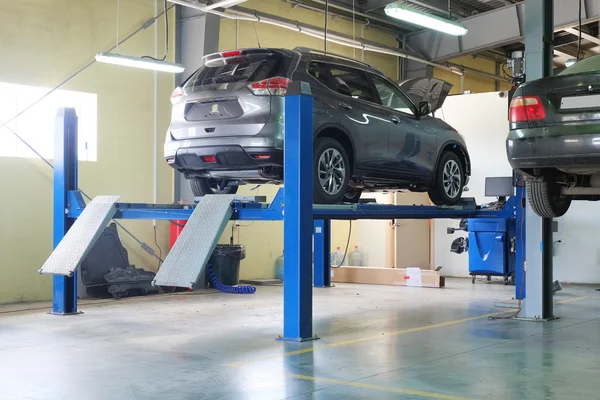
[426,20]
[138,62]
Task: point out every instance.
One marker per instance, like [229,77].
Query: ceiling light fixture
[139,62]
[570,62]
[426,20]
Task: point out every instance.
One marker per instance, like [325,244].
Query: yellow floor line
[377,387]
[364,339]
[572,300]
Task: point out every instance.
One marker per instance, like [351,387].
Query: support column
[64,292]
[322,245]
[539,34]
[298,213]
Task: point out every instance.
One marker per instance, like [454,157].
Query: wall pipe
[334,38]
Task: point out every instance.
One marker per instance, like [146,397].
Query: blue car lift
[301,219]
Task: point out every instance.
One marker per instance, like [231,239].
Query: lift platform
[77,225]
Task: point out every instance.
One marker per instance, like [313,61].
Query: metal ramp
[195,244]
[81,237]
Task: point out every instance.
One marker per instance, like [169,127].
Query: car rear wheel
[449,180]
[546,200]
[203,186]
[331,171]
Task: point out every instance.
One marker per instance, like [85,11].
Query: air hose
[229,289]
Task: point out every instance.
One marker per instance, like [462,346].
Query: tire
[545,199]
[204,186]
[331,171]
[449,194]
[352,196]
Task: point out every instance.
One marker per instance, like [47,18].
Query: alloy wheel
[332,171]
[452,179]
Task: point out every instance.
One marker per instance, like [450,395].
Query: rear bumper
[230,154]
[553,151]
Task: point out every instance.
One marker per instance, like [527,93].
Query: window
[36,126]
[351,82]
[319,71]
[391,96]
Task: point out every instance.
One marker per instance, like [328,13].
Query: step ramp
[82,236]
[195,244]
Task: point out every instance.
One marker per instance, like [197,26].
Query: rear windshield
[241,70]
[590,64]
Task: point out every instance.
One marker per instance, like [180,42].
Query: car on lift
[227,127]
[554,138]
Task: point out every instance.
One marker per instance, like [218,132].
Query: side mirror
[424,108]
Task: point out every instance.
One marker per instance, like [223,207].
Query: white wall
[482,120]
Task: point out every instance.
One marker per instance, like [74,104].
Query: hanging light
[570,62]
[426,20]
[138,62]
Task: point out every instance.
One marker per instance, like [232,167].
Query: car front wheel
[331,171]
[449,180]
[203,186]
[546,200]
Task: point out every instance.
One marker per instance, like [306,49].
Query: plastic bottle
[279,267]
[357,258]
[337,257]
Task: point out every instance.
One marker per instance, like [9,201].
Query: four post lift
[77,225]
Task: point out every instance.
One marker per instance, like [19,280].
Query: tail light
[526,108]
[276,86]
[176,95]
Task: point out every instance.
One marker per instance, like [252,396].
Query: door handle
[394,119]
[345,106]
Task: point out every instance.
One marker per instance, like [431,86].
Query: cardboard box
[388,276]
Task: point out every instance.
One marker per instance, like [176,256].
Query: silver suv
[227,127]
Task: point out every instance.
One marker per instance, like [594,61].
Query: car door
[412,147]
[361,116]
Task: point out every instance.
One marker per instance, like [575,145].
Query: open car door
[431,90]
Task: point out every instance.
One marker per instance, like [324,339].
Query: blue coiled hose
[229,289]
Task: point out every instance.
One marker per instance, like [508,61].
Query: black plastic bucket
[225,262]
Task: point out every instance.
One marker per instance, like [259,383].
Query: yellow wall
[43,42]
[264,240]
[474,83]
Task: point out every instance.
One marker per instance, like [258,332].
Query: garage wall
[264,240]
[474,83]
[43,42]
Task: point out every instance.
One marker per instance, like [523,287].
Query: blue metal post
[64,295]
[298,213]
[322,245]
[520,229]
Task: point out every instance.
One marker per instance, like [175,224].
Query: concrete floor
[377,342]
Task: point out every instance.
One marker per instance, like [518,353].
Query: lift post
[298,215]
[538,305]
[64,288]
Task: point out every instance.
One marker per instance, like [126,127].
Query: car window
[319,71]
[391,96]
[239,70]
[351,82]
[590,64]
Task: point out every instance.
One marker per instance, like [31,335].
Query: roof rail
[301,49]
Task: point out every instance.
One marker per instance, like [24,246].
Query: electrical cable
[166,37]
[159,249]
[256,34]
[580,33]
[246,289]
[326,23]
[347,243]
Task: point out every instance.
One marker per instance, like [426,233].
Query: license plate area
[580,102]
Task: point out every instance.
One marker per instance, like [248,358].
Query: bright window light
[37,125]
[426,20]
[138,62]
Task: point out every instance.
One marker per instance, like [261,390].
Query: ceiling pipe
[334,38]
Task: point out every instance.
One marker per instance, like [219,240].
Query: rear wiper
[228,78]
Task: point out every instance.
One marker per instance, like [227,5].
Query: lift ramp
[195,244]
[80,238]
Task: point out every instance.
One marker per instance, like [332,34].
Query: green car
[554,139]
